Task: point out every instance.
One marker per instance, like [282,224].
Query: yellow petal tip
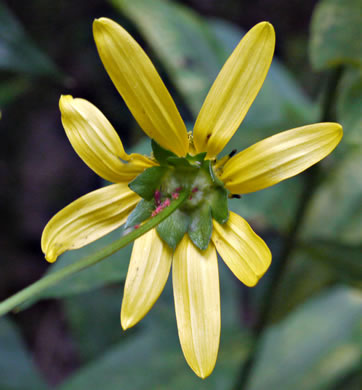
[339,129]
[99,21]
[268,27]
[50,257]
[97,24]
[102,22]
[202,372]
[126,323]
[268,24]
[64,99]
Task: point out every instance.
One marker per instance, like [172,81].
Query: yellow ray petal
[234,90]
[195,278]
[279,157]
[88,218]
[244,252]
[97,143]
[140,85]
[147,275]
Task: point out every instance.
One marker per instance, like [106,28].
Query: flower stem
[311,179]
[53,278]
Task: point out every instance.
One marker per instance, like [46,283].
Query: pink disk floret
[157,197]
[137,226]
[162,206]
[175,195]
[156,211]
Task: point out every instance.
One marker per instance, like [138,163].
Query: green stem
[311,177]
[53,278]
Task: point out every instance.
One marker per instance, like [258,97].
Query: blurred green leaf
[336,35]
[17,51]
[93,320]
[152,360]
[273,207]
[314,347]
[303,279]
[336,208]
[17,371]
[349,105]
[344,260]
[11,89]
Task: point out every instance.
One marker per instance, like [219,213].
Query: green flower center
[158,186]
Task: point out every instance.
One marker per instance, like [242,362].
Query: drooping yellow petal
[140,85]
[279,157]
[97,143]
[234,90]
[147,275]
[195,278]
[243,251]
[88,218]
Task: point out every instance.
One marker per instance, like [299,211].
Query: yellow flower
[194,271]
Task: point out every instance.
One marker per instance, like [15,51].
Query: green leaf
[335,210]
[349,105]
[200,228]
[18,52]
[11,89]
[208,167]
[17,371]
[275,206]
[336,36]
[148,182]
[172,229]
[305,277]
[142,211]
[82,310]
[198,159]
[178,162]
[344,260]
[218,200]
[314,347]
[161,154]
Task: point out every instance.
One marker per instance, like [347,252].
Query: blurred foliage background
[70,337]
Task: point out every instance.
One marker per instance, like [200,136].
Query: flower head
[190,237]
